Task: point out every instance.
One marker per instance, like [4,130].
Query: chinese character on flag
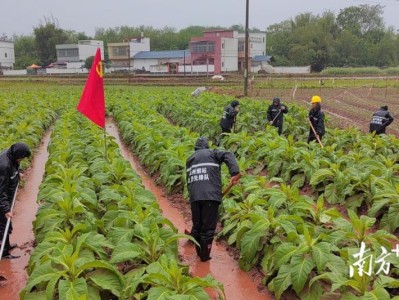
[92,102]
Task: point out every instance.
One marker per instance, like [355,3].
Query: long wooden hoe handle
[228,188]
[316,135]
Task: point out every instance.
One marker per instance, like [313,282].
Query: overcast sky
[20,16]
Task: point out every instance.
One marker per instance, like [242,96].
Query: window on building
[222,45]
[120,51]
[241,46]
[263,40]
[203,47]
[222,63]
[68,53]
[5,55]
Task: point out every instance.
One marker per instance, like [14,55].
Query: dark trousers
[204,214]
[224,131]
[312,136]
[279,128]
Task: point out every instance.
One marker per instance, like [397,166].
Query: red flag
[92,102]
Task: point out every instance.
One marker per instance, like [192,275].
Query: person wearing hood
[229,116]
[204,184]
[275,114]
[9,179]
[316,118]
[381,120]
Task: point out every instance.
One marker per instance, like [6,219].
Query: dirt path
[237,283]
[25,213]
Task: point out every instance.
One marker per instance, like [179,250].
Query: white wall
[89,49]
[14,72]
[229,55]
[197,69]
[257,44]
[136,46]
[146,63]
[7,56]
[51,71]
[75,64]
[286,70]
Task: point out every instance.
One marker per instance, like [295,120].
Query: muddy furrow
[237,283]
[25,213]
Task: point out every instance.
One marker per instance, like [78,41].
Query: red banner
[92,102]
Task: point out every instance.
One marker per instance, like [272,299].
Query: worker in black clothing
[381,120]
[275,114]
[229,116]
[204,185]
[316,117]
[9,178]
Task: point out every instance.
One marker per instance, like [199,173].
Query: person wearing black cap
[381,120]
[204,184]
[9,178]
[275,114]
[229,116]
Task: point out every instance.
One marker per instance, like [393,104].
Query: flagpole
[105,144]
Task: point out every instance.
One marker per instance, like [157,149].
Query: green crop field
[300,214]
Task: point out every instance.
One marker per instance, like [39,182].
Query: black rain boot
[206,246]
[197,248]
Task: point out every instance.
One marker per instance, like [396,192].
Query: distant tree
[73,37]
[89,62]
[47,36]
[362,20]
[279,39]
[25,51]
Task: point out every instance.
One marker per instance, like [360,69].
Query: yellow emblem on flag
[99,69]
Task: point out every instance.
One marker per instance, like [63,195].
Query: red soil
[24,214]
[237,283]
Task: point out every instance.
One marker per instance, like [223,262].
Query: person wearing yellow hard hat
[316,118]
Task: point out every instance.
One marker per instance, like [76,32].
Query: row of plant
[100,234]
[252,236]
[361,71]
[254,241]
[24,117]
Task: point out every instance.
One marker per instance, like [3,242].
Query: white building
[256,41]
[138,44]
[79,52]
[121,54]
[7,55]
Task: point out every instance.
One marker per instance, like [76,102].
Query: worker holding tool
[229,116]
[228,120]
[204,183]
[316,121]
[275,114]
[9,179]
[381,120]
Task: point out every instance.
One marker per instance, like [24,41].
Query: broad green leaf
[376,294]
[160,293]
[281,282]
[321,254]
[300,266]
[106,280]
[69,290]
[125,251]
[284,253]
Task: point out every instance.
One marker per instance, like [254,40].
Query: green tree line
[355,37]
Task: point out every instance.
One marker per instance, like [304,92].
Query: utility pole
[246,50]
